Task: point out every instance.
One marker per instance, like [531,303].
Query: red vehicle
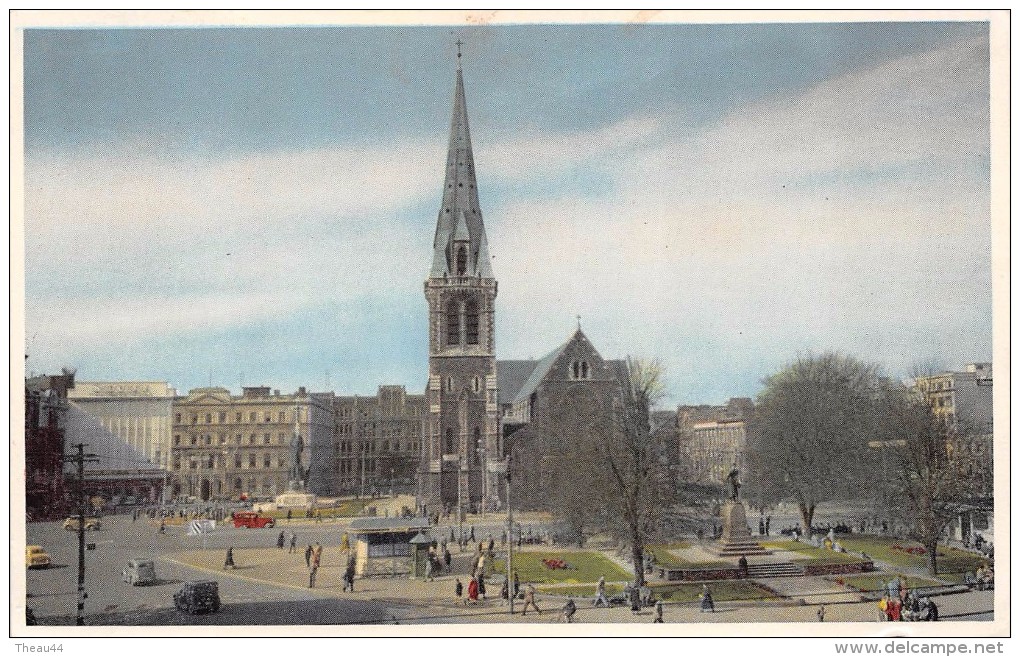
[250,519]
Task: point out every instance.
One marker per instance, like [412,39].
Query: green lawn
[582,567]
[347,509]
[950,560]
[871,582]
[808,554]
[686,592]
[666,559]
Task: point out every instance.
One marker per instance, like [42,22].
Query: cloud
[843,217]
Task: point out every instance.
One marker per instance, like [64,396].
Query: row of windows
[476,384]
[221,417]
[212,462]
[207,439]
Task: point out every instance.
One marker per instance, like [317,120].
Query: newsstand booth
[382,546]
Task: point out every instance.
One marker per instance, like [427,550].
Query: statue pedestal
[736,537]
[295,499]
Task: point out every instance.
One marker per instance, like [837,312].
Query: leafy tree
[812,425]
[934,479]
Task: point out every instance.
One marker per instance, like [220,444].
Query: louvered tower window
[471,319]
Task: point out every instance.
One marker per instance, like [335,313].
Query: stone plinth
[736,537]
[293,499]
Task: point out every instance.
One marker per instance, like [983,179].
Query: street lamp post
[511,593]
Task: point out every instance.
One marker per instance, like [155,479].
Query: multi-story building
[224,446]
[713,438]
[379,440]
[964,401]
[136,412]
[46,411]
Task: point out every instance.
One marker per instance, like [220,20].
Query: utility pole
[511,593]
[80,458]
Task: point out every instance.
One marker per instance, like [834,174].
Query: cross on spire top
[459,44]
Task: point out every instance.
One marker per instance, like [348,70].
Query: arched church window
[584,369]
[575,370]
[449,447]
[462,261]
[471,319]
[452,322]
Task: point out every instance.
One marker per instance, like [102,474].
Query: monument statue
[297,445]
[733,479]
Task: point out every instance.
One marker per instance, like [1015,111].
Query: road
[51,592]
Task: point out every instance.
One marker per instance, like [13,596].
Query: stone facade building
[713,438]
[480,410]
[46,410]
[379,441]
[224,446]
[137,412]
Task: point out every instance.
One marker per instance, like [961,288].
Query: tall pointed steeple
[460,200]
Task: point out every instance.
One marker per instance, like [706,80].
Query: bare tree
[811,431]
[934,478]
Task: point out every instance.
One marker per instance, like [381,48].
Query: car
[251,520]
[36,557]
[91,524]
[198,596]
[139,571]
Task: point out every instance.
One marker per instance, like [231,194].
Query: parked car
[36,557]
[198,596]
[91,524]
[251,520]
[139,571]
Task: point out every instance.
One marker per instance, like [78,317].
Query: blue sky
[257,205]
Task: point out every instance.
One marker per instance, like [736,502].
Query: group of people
[899,603]
[982,579]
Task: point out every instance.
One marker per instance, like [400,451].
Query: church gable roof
[544,367]
[511,376]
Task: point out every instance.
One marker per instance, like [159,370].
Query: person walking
[229,561]
[707,604]
[288,515]
[529,600]
[659,608]
[349,574]
[600,593]
[635,600]
[742,565]
[472,539]
[458,590]
[308,556]
[447,558]
[316,556]
[293,543]
[504,592]
[473,591]
[481,584]
[821,613]
[569,609]
[428,568]
[280,541]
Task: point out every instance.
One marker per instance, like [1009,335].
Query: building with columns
[224,446]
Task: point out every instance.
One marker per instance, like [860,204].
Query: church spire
[460,199]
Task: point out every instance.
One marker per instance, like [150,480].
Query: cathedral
[484,412]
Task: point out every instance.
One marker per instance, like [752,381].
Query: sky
[256,206]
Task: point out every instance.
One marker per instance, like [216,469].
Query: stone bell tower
[461,435]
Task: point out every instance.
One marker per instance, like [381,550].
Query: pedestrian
[742,565]
[316,556]
[345,542]
[349,574]
[288,515]
[481,584]
[707,604]
[492,545]
[821,613]
[529,600]
[659,608]
[308,556]
[504,592]
[229,561]
[517,585]
[600,593]
[472,539]
[569,610]
[768,521]
[761,527]
[293,544]
[883,608]
[458,590]
[280,541]
[318,552]
[447,558]
[635,600]
[428,569]
[473,591]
